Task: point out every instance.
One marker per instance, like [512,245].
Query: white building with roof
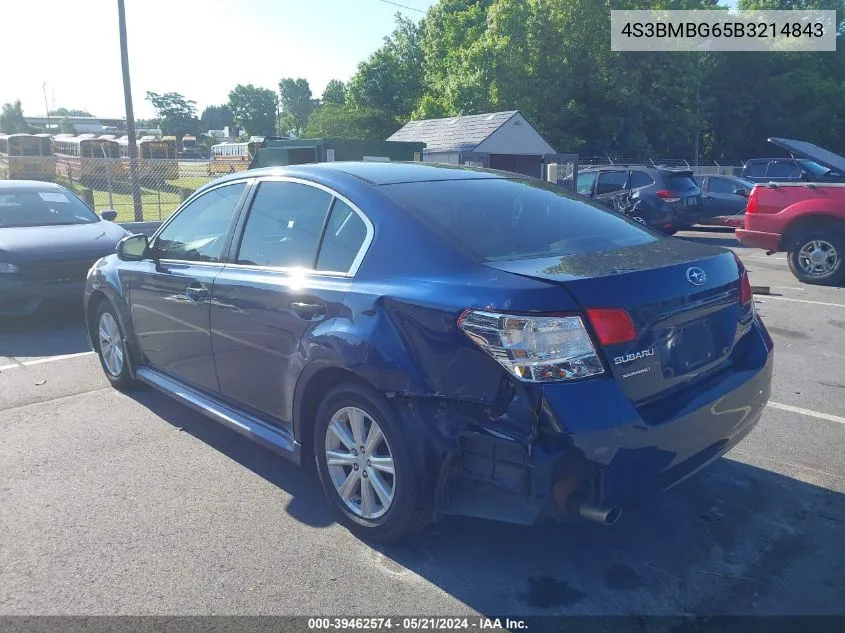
[499,140]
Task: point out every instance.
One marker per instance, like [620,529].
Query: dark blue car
[442,340]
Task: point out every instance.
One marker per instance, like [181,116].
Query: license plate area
[688,347]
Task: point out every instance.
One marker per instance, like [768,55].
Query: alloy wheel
[111,344]
[818,258]
[360,463]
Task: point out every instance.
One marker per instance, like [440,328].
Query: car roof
[375,173]
[19,185]
[810,151]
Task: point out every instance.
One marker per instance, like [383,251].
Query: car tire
[376,505]
[815,242]
[110,344]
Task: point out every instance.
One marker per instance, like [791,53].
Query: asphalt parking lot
[116,503]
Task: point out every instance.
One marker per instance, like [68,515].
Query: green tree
[176,114]
[296,103]
[390,80]
[216,117]
[345,121]
[66,127]
[254,109]
[11,118]
[335,92]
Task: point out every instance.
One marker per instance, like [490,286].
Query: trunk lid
[683,298]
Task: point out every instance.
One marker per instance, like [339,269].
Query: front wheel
[111,347]
[816,257]
[365,466]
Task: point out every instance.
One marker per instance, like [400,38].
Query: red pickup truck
[805,219]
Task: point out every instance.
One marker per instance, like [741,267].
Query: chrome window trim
[362,252]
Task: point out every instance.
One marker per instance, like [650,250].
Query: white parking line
[818,303]
[39,361]
[809,412]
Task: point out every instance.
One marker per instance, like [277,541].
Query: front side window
[720,185]
[284,225]
[585,183]
[344,237]
[610,181]
[199,231]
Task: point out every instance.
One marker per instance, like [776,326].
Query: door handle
[308,310]
[196,292]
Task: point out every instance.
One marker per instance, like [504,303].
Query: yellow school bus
[86,158]
[27,157]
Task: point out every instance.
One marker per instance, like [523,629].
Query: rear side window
[640,179]
[756,170]
[610,181]
[783,169]
[498,219]
[284,224]
[345,235]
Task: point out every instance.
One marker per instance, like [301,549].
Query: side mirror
[132,248]
[741,192]
[110,215]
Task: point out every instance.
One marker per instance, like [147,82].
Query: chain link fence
[104,183]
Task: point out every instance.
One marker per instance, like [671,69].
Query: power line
[396,4]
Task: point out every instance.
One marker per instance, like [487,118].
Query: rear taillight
[612,326]
[746,296]
[751,206]
[668,196]
[534,348]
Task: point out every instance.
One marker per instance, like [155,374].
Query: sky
[200,48]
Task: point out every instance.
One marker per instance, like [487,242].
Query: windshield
[47,207]
[498,219]
[813,167]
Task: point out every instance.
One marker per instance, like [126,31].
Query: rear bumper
[759,239]
[594,446]
[19,297]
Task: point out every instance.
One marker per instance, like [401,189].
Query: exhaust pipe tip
[605,516]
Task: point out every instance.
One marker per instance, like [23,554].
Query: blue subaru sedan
[440,340]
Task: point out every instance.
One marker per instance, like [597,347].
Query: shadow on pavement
[308,504]
[57,330]
[734,539]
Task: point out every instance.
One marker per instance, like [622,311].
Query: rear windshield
[42,208]
[679,182]
[500,220]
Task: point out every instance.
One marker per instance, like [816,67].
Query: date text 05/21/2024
[415,624]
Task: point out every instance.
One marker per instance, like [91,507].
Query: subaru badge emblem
[696,276]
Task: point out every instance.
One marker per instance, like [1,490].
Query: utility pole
[130,116]
[46,105]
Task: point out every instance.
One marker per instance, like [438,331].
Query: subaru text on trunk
[442,340]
